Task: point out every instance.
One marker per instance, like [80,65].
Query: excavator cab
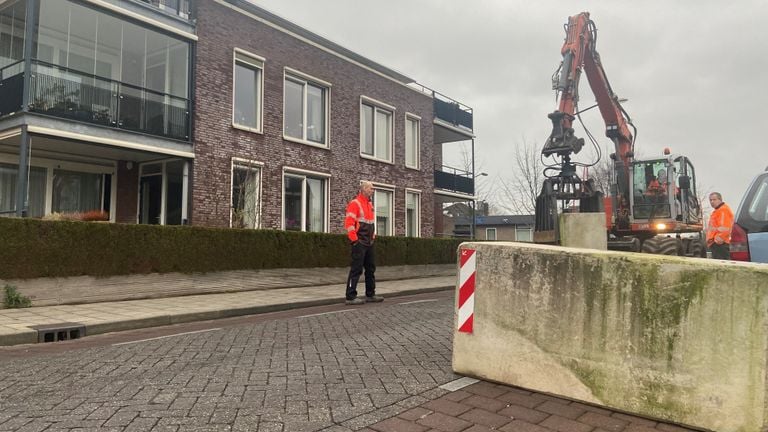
[664,192]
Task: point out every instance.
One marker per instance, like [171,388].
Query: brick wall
[221,30]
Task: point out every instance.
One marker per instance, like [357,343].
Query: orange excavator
[651,203]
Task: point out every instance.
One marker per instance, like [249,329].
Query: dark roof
[505,220]
[294,28]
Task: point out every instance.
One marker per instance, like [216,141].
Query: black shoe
[356,301]
[374,299]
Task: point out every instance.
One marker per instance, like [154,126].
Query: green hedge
[32,248]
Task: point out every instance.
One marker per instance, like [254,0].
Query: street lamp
[482,174]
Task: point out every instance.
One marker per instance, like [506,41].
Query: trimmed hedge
[31,248]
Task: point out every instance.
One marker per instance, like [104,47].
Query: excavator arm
[579,55]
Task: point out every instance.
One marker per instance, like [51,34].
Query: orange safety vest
[360,220]
[720,224]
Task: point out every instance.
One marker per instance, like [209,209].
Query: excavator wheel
[661,245]
[696,248]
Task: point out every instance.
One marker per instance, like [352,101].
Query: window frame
[378,106]
[260,102]
[495,234]
[305,79]
[409,117]
[416,193]
[249,165]
[391,189]
[298,172]
[526,228]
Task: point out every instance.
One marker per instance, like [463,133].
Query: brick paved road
[377,367]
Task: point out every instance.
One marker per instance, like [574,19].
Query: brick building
[214,113]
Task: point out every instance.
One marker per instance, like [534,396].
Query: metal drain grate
[59,331]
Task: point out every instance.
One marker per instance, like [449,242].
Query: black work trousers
[720,251]
[362,258]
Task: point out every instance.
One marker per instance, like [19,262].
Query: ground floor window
[490,234]
[382,200]
[56,190]
[524,234]
[246,191]
[412,213]
[305,202]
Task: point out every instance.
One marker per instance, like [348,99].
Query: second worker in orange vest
[719,229]
[360,223]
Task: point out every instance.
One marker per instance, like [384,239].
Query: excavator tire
[661,245]
[696,249]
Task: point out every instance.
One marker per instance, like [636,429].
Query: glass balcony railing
[11,88]
[65,93]
[455,180]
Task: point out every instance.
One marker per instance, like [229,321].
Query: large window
[12,24]
[246,201]
[523,234]
[305,202]
[9,175]
[412,213]
[412,141]
[305,108]
[490,234]
[248,84]
[382,200]
[376,130]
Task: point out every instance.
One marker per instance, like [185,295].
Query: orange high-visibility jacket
[360,220]
[720,224]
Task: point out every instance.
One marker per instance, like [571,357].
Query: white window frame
[528,229]
[378,106]
[257,63]
[249,165]
[417,139]
[487,234]
[417,193]
[297,76]
[391,189]
[298,172]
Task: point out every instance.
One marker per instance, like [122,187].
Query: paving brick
[517,398]
[485,403]
[667,427]
[587,407]
[568,411]
[444,422]
[457,396]
[486,389]
[395,424]
[523,426]
[415,414]
[563,424]
[446,407]
[635,420]
[523,413]
[604,422]
[487,418]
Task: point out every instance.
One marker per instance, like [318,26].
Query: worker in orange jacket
[360,224]
[719,228]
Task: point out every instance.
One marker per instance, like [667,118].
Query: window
[305,202]
[12,23]
[247,89]
[382,200]
[9,175]
[523,234]
[305,109]
[246,202]
[412,213]
[412,141]
[490,234]
[376,131]
[77,191]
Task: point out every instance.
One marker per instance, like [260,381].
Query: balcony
[11,88]
[178,8]
[65,93]
[454,180]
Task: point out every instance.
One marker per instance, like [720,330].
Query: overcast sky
[695,72]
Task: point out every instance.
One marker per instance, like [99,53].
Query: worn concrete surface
[583,230]
[681,339]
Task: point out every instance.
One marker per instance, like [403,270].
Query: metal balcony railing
[65,93]
[448,109]
[11,88]
[454,179]
[175,7]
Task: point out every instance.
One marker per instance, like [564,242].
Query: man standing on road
[719,229]
[360,225]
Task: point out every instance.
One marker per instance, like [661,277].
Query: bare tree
[518,192]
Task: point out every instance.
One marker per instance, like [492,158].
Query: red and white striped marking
[467,270]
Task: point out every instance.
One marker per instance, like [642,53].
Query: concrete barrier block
[679,339]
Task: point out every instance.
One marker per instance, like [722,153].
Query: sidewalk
[17,325]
